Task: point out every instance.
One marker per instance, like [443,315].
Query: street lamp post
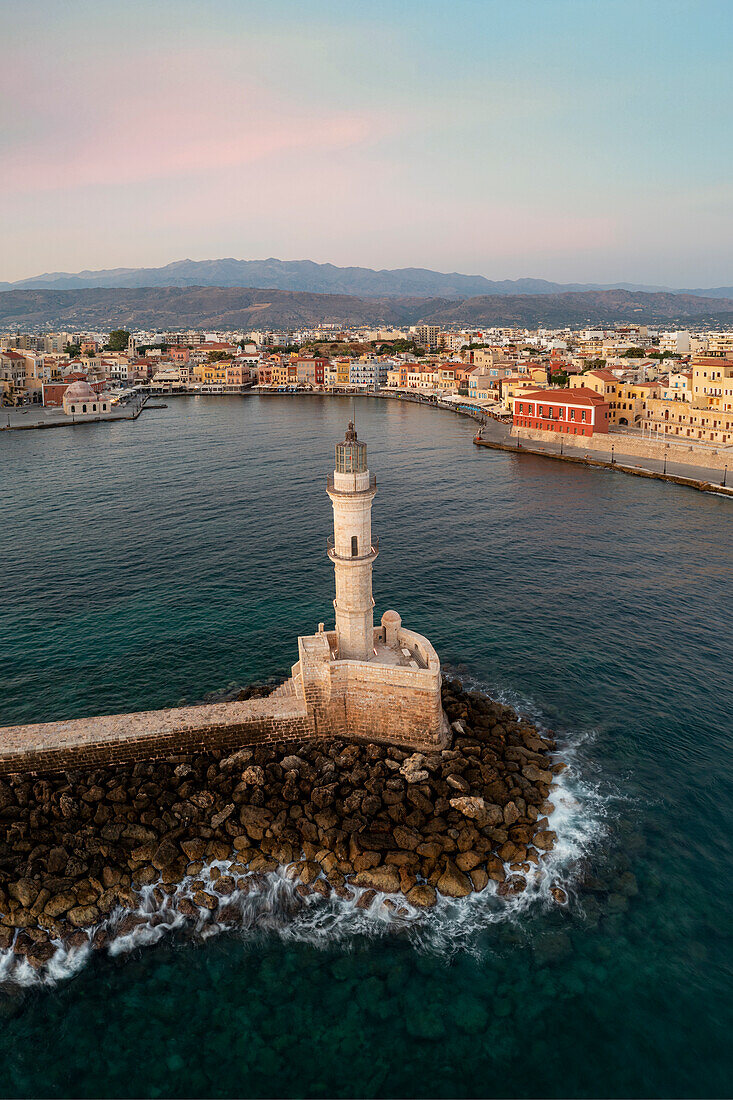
[612,455]
[665,464]
[725,474]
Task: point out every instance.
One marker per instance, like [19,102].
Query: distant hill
[304,275]
[249,308]
[587,307]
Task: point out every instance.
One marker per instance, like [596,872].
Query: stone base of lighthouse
[394,697]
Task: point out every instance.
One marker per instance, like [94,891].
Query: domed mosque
[81,400]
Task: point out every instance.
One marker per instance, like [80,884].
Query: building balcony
[370,556]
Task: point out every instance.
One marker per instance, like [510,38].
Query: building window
[83,408]
[354,546]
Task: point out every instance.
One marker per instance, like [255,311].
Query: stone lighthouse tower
[352,549]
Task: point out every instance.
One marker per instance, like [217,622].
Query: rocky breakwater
[79,851]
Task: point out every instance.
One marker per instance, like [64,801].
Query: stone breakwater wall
[675,451]
[347,820]
[149,735]
[358,700]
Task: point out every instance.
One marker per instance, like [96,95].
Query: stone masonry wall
[355,700]
[395,705]
[600,446]
[149,735]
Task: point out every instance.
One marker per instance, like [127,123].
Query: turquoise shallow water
[147,563]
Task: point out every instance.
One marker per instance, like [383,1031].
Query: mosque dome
[80,391]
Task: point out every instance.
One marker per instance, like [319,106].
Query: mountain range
[246,308]
[304,275]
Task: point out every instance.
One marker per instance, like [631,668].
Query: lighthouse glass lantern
[351,455]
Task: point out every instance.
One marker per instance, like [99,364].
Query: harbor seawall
[150,735]
[674,449]
[324,699]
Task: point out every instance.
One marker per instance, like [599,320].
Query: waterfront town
[629,379]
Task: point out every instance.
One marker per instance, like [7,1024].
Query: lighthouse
[352,549]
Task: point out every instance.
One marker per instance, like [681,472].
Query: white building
[368,372]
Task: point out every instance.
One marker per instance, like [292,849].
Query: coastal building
[574,412]
[427,336]
[479,385]
[343,367]
[81,400]
[371,372]
[685,421]
[712,381]
[678,386]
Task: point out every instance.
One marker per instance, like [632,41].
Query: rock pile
[76,847]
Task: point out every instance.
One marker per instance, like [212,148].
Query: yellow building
[343,372]
[512,387]
[626,400]
[684,421]
[712,381]
[210,374]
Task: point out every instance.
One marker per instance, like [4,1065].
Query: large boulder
[537,775]
[24,891]
[422,895]
[476,809]
[384,879]
[412,768]
[545,840]
[406,838]
[81,916]
[453,883]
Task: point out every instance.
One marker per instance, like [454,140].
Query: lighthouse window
[354,546]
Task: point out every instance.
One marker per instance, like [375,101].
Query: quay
[19,419]
[518,447]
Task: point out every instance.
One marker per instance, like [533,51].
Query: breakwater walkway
[700,478]
[36,417]
[148,735]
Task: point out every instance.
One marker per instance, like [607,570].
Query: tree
[634,353]
[143,348]
[394,347]
[72,350]
[217,356]
[119,338]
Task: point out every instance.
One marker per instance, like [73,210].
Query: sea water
[148,563]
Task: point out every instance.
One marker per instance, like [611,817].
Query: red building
[53,392]
[574,412]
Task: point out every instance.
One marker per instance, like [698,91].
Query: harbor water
[146,563]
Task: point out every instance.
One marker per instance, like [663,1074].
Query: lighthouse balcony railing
[331,546]
[332,489]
